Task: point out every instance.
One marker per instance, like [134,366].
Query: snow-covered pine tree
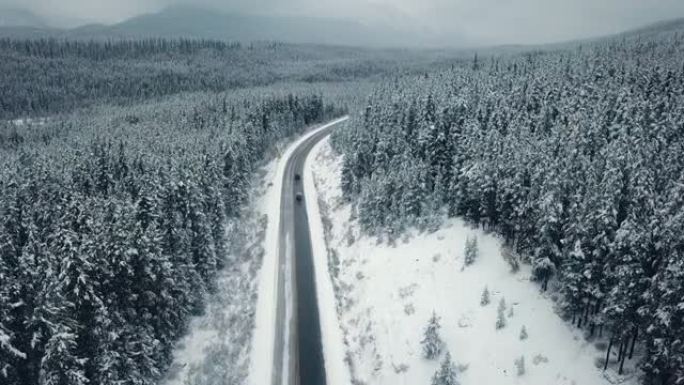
[471,252]
[500,314]
[446,374]
[432,343]
[520,365]
[60,364]
[484,300]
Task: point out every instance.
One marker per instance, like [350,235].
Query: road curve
[298,353]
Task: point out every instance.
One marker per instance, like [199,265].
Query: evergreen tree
[484,300]
[520,365]
[471,252]
[432,343]
[500,314]
[446,374]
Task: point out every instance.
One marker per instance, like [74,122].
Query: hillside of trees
[48,76]
[112,228]
[575,157]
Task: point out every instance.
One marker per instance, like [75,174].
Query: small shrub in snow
[462,367]
[540,359]
[432,343]
[501,317]
[520,364]
[471,251]
[523,333]
[446,374]
[484,300]
[402,368]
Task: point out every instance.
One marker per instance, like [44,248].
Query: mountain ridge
[186,21]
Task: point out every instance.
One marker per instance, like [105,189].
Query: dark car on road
[298,177]
[299,197]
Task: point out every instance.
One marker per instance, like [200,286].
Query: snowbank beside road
[387,293]
[336,370]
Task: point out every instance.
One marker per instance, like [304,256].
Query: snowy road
[297,350]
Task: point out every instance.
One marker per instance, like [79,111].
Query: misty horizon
[442,23]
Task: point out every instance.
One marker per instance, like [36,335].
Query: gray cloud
[479,21]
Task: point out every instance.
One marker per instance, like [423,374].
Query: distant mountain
[666,26]
[193,22]
[186,21]
[11,17]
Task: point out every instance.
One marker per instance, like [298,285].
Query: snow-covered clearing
[387,293]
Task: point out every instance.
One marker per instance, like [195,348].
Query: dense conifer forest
[575,157]
[48,76]
[112,219]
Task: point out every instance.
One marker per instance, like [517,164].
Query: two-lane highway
[298,354]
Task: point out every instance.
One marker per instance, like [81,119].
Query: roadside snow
[337,372]
[387,293]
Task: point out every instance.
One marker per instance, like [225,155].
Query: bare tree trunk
[622,361]
[579,320]
[586,313]
[610,346]
[620,350]
[634,338]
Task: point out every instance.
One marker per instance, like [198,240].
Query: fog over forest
[443,22]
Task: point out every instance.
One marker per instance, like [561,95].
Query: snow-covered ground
[387,293]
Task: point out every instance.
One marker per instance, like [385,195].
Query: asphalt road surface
[298,355]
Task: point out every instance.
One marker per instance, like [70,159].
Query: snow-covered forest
[121,164]
[575,156]
[39,77]
[112,230]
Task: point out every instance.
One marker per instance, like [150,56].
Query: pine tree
[520,365]
[484,300]
[446,374]
[500,314]
[432,343]
[471,251]
[523,333]
[60,365]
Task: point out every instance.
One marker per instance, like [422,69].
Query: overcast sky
[473,21]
